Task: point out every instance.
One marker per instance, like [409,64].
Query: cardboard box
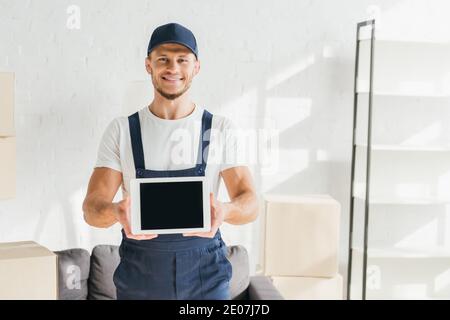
[27,271]
[302,236]
[7,167]
[309,288]
[6,104]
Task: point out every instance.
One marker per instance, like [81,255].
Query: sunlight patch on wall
[442,283]
[290,71]
[422,237]
[413,20]
[242,109]
[322,155]
[409,291]
[443,186]
[292,162]
[284,113]
[425,137]
[412,191]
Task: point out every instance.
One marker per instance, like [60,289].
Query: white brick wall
[71,83]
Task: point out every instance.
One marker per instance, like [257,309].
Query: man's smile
[172,79]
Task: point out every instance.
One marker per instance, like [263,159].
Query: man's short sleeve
[233,143]
[109,149]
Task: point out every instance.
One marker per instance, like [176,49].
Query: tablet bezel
[135,214]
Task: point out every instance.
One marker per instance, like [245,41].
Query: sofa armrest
[262,288]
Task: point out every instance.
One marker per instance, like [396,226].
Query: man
[169,266]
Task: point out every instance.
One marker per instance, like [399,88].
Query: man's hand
[122,213]
[217,218]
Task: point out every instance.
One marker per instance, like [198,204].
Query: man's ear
[148,65]
[197,67]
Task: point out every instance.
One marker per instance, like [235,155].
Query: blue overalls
[172,266]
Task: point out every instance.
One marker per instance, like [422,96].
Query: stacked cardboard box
[7,137]
[27,271]
[301,246]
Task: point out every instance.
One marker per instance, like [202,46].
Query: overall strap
[138,151]
[205,136]
[136,141]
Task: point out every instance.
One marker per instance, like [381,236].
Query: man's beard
[172,96]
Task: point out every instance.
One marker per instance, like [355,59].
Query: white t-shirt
[170,145]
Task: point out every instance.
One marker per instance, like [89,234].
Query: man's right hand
[121,211]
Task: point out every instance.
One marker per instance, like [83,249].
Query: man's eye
[162,59]
[183,60]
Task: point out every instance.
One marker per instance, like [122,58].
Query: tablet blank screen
[171,205]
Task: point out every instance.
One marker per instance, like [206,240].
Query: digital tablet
[170,205]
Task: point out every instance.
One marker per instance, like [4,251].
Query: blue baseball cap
[173,33]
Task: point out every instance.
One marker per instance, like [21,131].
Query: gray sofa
[89,277]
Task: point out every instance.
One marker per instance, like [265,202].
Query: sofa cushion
[73,273]
[238,257]
[104,261]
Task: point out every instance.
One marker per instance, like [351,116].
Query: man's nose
[172,65]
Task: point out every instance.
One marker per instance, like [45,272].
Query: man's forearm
[243,209]
[99,213]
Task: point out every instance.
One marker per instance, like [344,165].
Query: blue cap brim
[173,41]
